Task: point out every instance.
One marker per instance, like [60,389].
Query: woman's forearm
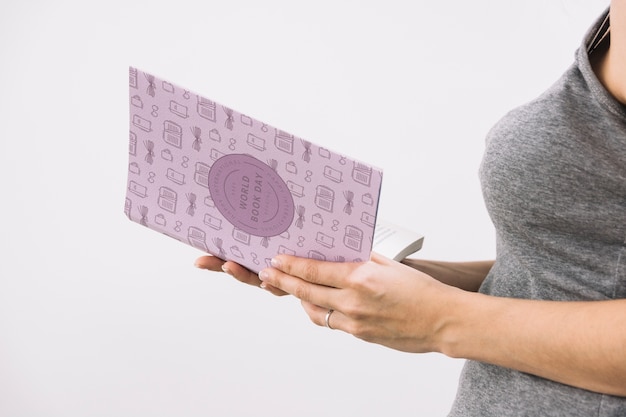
[464,275]
[582,344]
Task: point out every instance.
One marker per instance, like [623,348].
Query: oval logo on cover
[251,195]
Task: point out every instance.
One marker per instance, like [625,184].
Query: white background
[101,317]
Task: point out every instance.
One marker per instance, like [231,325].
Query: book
[395,242]
[238,188]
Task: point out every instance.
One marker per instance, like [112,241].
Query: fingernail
[226,270]
[263,275]
[275,263]
[263,286]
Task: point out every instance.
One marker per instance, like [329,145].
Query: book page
[394,241]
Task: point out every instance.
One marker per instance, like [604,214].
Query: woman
[543,326]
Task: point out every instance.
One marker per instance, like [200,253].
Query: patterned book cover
[238,188]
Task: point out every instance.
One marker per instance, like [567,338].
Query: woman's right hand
[213,263]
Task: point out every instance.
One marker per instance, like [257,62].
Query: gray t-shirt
[554,182]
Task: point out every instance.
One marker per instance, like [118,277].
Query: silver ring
[331,311]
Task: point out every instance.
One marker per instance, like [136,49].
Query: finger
[330,274]
[240,273]
[246,276]
[212,263]
[380,259]
[273,290]
[299,288]
[323,316]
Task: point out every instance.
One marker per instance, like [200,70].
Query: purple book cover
[240,189]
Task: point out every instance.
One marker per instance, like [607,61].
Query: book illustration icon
[272,163]
[284,141]
[173,133]
[160,220]
[142,123]
[213,222]
[219,244]
[151,88]
[133,168]
[132,143]
[246,120]
[368,219]
[236,252]
[149,145]
[167,87]
[362,173]
[306,155]
[166,155]
[291,167]
[256,142]
[136,101]
[178,109]
[201,174]
[132,77]
[206,109]
[214,135]
[138,189]
[197,238]
[230,119]
[325,240]
[324,198]
[167,199]
[285,250]
[241,236]
[128,206]
[296,189]
[313,254]
[353,238]
[332,174]
[143,212]
[324,153]
[197,138]
[191,208]
[175,176]
[216,154]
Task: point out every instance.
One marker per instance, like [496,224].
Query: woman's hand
[213,263]
[380,301]
[385,302]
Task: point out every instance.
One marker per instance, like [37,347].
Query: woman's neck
[610,64]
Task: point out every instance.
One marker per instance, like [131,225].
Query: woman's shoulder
[564,105]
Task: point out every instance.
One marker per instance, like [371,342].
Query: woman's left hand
[379,301]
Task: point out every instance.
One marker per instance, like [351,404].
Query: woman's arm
[582,344]
[464,275]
